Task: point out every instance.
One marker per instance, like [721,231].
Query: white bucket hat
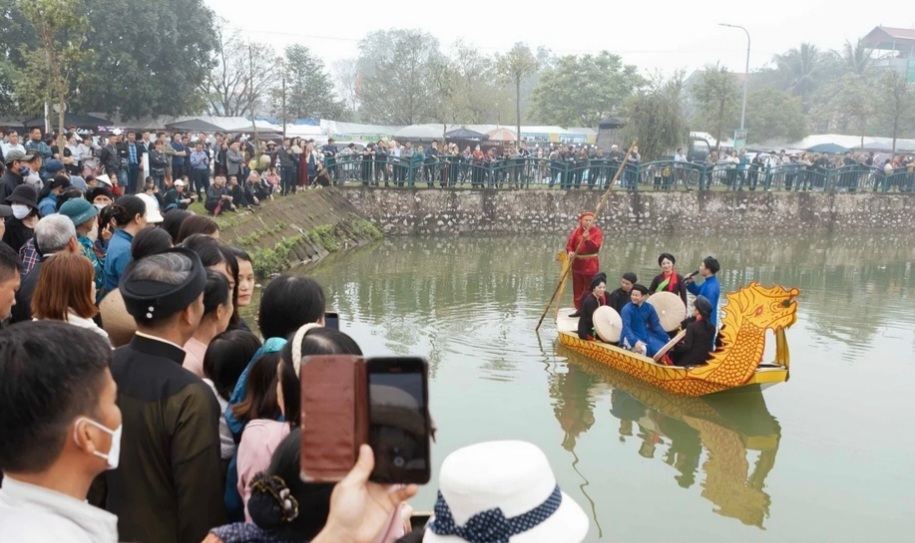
[503,492]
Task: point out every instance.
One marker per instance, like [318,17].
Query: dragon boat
[749,313]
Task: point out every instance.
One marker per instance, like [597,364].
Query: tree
[774,115]
[51,67]
[309,91]
[243,74]
[802,70]
[396,68]
[347,72]
[655,118]
[479,96]
[856,58]
[149,56]
[580,91]
[515,66]
[896,99]
[716,96]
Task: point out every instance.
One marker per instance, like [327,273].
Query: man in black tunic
[168,488]
[620,297]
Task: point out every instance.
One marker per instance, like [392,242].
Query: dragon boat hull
[749,313]
[670,378]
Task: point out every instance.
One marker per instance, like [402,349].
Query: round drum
[607,324]
[671,309]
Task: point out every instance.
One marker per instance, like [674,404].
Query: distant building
[895,49]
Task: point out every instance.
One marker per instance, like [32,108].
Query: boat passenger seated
[620,297]
[642,331]
[693,350]
[596,297]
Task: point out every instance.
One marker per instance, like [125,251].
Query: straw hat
[607,323]
[119,324]
[670,308]
[503,491]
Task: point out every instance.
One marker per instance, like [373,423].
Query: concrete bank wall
[297,230]
[432,211]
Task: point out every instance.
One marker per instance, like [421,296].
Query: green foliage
[896,103]
[365,229]
[50,65]
[717,98]
[804,69]
[274,259]
[309,91]
[583,90]
[149,57]
[774,115]
[252,238]
[515,66]
[397,68]
[655,118]
[325,237]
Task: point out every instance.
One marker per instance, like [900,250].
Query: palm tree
[856,58]
[800,68]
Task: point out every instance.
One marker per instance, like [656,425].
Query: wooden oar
[600,207]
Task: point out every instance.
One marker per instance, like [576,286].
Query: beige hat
[607,323]
[119,324]
[670,308]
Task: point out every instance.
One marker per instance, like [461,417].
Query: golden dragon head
[765,307]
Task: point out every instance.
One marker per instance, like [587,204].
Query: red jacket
[590,247]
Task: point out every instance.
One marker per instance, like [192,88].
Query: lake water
[825,457]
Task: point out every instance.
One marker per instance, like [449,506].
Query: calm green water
[824,457]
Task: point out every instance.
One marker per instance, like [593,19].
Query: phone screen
[398,421]
[332,320]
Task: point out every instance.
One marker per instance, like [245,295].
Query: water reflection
[677,430]
[454,293]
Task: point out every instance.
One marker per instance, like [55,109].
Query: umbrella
[194,124]
[464,134]
[419,132]
[607,323]
[670,308]
[501,134]
[831,148]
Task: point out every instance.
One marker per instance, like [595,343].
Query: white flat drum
[670,308]
[607,324]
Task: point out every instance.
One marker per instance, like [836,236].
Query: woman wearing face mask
[21,226]
[83,214]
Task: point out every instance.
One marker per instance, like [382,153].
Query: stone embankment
[465,212]
[297,230]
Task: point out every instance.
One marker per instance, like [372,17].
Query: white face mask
[20,211]
[93,234]
[114,453]
[100,206]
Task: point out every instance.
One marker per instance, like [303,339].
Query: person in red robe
[583,248]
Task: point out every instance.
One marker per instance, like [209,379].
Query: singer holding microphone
[710,288]
[583,248]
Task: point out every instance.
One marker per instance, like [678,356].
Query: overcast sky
[654,35]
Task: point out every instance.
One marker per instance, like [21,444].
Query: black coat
[589,305]
[695,349]
[681,286]
[169,485]
[618,299]
[17,234]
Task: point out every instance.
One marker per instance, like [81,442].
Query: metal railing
[596,174]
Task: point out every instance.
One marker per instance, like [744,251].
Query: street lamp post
[746,78]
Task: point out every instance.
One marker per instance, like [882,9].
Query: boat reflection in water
[729,427]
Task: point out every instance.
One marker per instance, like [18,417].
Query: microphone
[690,275]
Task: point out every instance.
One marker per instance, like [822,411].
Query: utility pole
[284,105]
[746,78]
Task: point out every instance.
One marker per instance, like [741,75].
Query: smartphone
[399,426]
[332,320]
